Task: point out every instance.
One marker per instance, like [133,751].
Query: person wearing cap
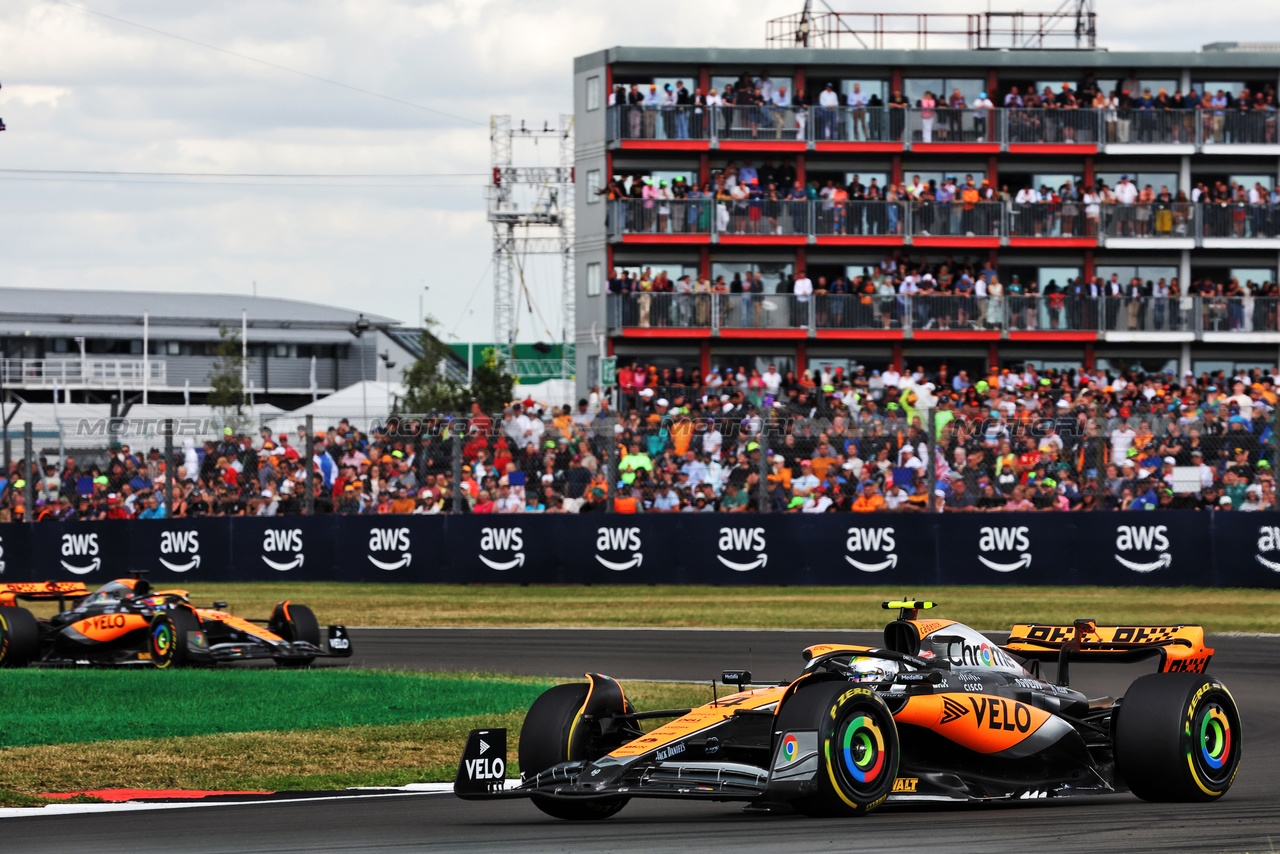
[981,107]
[828,105]
[1253,499]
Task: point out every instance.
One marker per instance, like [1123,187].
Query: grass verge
[389,754]
[1217,609]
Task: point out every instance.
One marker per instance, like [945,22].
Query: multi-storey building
[1014,148]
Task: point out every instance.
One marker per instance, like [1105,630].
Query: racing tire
[1178,738]
[167,642]
[19,637]
[295,623]
[545,741]
[858,749]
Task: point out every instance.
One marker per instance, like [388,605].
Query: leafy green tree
[491,385]
[427,388]
[226,387]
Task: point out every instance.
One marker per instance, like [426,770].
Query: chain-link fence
[1009,441]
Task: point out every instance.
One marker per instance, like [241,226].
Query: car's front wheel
[295,623]
[169,641]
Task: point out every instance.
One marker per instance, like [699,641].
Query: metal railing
[1059,311]
[82,373]
[1073,218]
[913,125]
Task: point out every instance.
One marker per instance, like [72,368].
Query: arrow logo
[1023,562]
[284,567]
[518,560]
[761,560]
[82,570]
[484,745]
[182,567]
[1269,564]
[636,560]
[891,560]
[405,560]
[1164,561]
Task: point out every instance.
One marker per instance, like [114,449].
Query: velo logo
[288,541]
[502,540]
[1006,541]
[80,546]
[619,540]
[394,540]
[862,540]
[738,540]
[185,543]
[1144,538]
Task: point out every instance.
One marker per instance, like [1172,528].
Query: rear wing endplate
[1179,648]
[41,591]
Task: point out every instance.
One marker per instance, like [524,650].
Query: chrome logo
[160,639]
[985,653]
[863,749]
[789,748]
[1215,738]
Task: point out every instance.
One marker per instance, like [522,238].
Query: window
[593,369]
[593,186]
[593,279]
[593,93]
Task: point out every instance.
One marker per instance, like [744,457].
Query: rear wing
[41,591]
[1180,649]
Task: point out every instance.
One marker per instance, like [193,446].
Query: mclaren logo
[502,540]
[1005,540]
[742,540]
[180,545]
[394,540]
[1144,538]
[862,540]
[619,540]
[78,547]
[951,711]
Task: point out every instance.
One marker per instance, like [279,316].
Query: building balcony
[891,316]
[171,374]
[87,373]
[943,130]
[766,222]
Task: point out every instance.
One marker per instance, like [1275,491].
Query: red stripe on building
[764,239]
[1051,335]
[957,241]
[764,333]
[761,145]
[1068,242]
[666,332]
[666,238]
[666,144]
[861,240]
[955,147]
[859,147]
[859,334]
[1055,148]
[956,335]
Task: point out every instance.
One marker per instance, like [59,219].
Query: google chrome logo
[789,748]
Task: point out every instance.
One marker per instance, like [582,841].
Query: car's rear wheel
[295,623]
[1178,738]
[548,737]
[169,641]
[19,637]
[857,746]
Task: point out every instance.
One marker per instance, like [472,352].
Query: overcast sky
[82,93]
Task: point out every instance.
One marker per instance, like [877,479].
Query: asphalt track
[1247,819]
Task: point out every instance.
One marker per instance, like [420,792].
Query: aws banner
[914,551]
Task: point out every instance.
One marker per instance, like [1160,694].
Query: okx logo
[82,549]
[1268,541]
[1005,542]
[285,544]
[184,549]
[613,540]
[1148,541]
[505,540]
[877,541]
[391,543]
[738,540]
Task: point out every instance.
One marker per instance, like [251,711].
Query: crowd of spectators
[735,440]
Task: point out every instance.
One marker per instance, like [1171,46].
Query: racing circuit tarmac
[1247,819]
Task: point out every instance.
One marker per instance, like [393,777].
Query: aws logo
[1,555]
[619,540]
[863,540]
[502,540]
[737,540]
[80,546]
[1144,538]
[1268,541]
[288,541]
[180,543]
[395,540]
[1006,540]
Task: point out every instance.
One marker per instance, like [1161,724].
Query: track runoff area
[428,817]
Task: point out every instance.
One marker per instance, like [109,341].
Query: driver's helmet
[112,591]
[866,669]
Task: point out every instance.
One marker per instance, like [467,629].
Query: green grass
[1217,609]
[63,706]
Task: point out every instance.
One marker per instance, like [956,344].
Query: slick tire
[19,637]
[168,641]
[858,748]
[1178,738]
[545,741]
[295,623]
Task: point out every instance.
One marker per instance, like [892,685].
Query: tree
[427,388]
[226,385]
[490,383]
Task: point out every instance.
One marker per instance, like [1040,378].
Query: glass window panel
[593,93]
[770,272]
[593,279]
[1058,275]
[593,186]
[879,88]
[1257,275]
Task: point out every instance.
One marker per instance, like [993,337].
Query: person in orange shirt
[625,502]
[870,501]
[403,501]
[564,422]
[781,473]
[823,461]
[681,434]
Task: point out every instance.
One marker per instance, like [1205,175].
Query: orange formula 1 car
[126,622]
[939,713]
